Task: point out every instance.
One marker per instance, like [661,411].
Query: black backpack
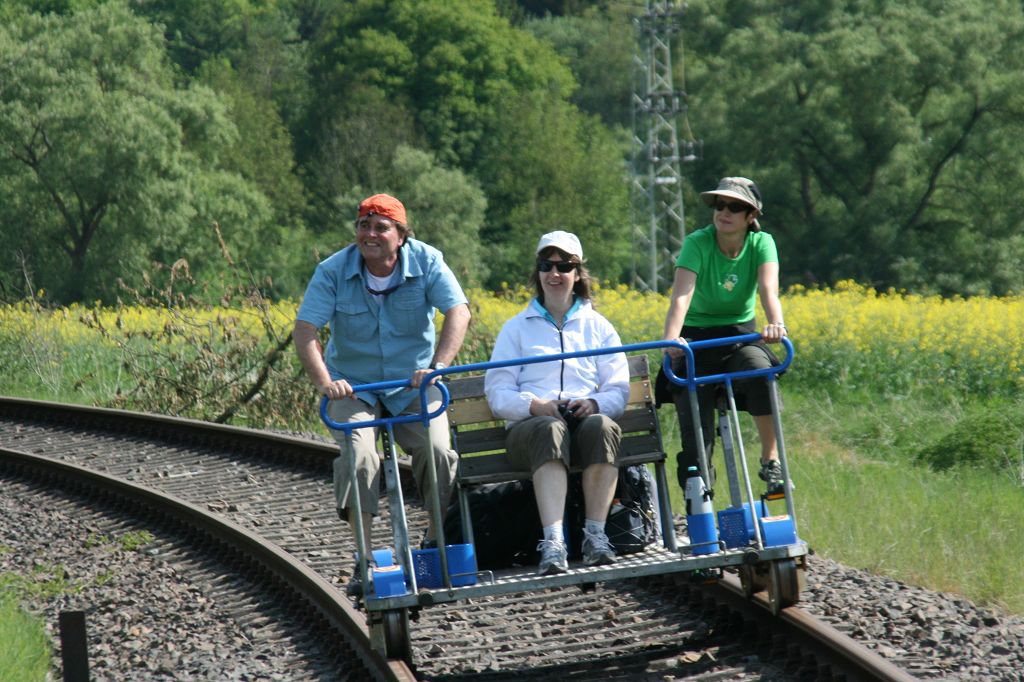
[632,522]
[506,524]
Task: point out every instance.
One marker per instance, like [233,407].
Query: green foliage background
[886,136]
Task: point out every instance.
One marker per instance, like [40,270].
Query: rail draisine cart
[745,535]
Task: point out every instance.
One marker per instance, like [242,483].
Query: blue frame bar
[692,382]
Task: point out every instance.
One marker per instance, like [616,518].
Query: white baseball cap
[564,241]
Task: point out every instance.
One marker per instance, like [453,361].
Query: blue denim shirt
[373,342]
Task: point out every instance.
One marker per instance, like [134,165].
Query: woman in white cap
[562,411]
[720,271]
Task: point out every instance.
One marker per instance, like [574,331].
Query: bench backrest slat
[469,406]
[479,437]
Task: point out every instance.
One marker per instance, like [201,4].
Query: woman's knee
[600,425]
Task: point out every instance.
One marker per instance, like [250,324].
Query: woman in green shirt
[720,271]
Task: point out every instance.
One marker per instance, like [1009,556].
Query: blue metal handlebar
[692,381]
[425,416]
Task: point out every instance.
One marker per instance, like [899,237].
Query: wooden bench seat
[479,437]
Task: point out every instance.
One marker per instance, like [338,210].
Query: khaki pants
[537,440]
[411,437]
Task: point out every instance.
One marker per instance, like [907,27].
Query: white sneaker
[597,550]
[553,557]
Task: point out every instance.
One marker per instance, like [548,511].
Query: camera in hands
[569,416]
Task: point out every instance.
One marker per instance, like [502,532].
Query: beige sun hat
[744,189]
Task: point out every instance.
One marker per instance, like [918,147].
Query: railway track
[265,501]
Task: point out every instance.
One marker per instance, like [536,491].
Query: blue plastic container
[389,581]
[778,530]
[735,525]
[383,557]
[461,566]
[748,522]
[427,567]
[701,528]
[732,526]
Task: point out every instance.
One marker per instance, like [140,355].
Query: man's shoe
[553,557]
[771,473]
[354,587]
[597,550]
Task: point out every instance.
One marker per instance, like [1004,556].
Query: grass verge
[25,654]
[863,500]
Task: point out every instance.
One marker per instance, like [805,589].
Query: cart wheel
[783,585]
[753,579]
[397,642]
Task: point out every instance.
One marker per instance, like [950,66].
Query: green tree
[885,135]
[600,47]
[448,211]
[541,8]
[11,9]
[262,156]
[489,100]
[546,166]
[260,40]
[200,30]
[356,145]
[451,63]
[104,161]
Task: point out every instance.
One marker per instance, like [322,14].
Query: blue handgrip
[423,415]
[692,381]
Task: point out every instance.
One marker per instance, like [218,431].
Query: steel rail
[332,605]
[854,660]
[239,436]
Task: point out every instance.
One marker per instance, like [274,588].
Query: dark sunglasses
[733,206]
[563,266]
[382,292]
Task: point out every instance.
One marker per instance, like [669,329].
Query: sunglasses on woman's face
[563,266]
[733,206]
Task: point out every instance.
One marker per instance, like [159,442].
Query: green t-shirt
[726,289]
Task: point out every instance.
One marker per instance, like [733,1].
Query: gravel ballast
[147,619]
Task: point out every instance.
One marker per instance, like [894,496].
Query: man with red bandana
[379,296]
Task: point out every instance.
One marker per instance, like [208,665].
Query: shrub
[992,440]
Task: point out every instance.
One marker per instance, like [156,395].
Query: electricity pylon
[657,188]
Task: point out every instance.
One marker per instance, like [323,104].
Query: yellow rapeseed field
[849,336]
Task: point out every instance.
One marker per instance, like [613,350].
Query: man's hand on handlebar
[417,377]
[337,390]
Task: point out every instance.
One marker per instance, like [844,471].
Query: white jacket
[532,332]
